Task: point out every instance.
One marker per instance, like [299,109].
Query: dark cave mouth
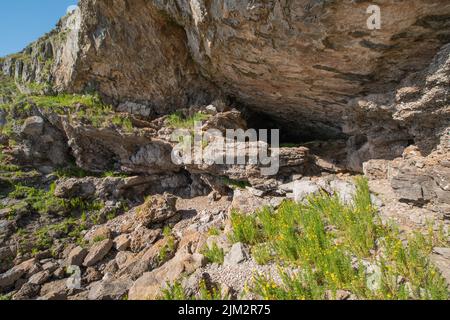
[293,133]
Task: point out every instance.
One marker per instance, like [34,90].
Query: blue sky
[23,21]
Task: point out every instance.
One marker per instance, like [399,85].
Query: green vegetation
[214,231]
[235,184]
[68,100]
[87,107]
[72,228]
[213,254]
[73,171]
[331,243]
[177,120]
[262,254]
[43,202]
[73,216]
[99,239]
[176,291]
[5,297]
[8,87]
[170,246]
[290,145]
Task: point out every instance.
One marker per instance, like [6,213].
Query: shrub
[177,120]
[169,248]
[262,253]
[174,291]
[43,202]
[328,241]
[214,254]
[245,228]
[214,231]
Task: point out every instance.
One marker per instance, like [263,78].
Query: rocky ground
[93,207]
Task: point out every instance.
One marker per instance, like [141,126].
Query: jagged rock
[91,275]
[374,276]
[311,68]
[221,241]
[54,296]
[124,259]
[150,259]
[33,126]
[27,291]
[441,259]
[417,179]
[25,268]
[7,227]
[157,209]
[142,237]
[100,233]
[135,108]
[376,169]
[97,252]
[244,201]
[237,254]
[100,149]
[6,259]
[8,278]
[72,188]
[304,188]
[55,290]
[50,266]
[39,278]
[345,189]
[76,256]
[90,188]
[122,242]
[148,286]
[109,289]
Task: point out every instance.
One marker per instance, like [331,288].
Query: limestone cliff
[87,177]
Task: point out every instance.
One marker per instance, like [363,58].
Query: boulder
[27,291]
[122,242]
[39,278]
[148,286]
[304,188]
[157,209]
[33,126]
[441,259]
[8,278]
[110,289]
[238,254]
[76,256]
[97,252]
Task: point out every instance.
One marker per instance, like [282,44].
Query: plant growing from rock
[169,247]
[177,120]
[332,244]
[213,254]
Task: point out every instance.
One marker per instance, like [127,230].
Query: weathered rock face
[313,67]
[298,61]
[130,51]
[417,112]
[38,62]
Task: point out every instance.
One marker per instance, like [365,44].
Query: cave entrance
[295,133]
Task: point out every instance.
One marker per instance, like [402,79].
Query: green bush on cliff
[177,120]
[331,244]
